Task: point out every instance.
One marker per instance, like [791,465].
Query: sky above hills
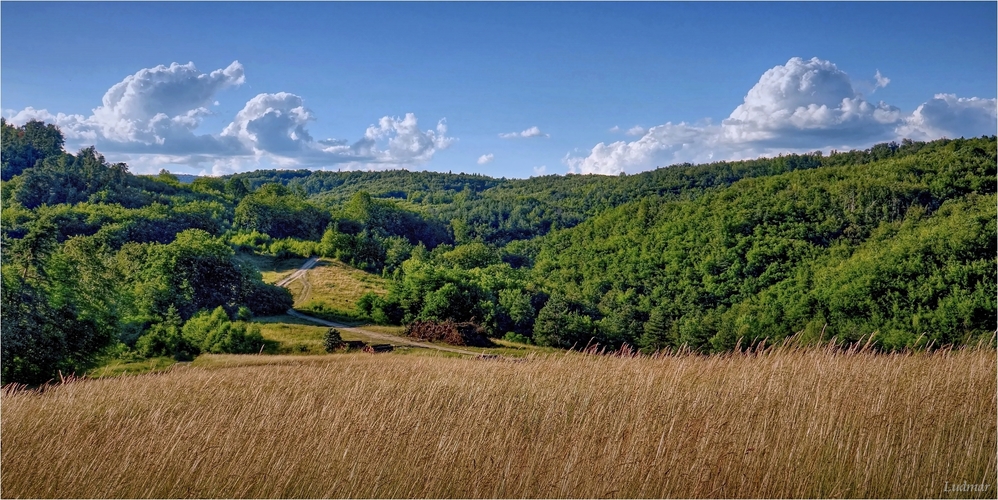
[503,89]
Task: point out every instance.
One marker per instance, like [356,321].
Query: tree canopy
[895,243]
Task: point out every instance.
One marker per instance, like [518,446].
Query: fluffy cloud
[406,142]
[272,123]
[637,130]
[674,142]
[807,104]
[530,132]
[154,110]
[947,115]
[149,120]
[800,106]
[482,160]
[158,103]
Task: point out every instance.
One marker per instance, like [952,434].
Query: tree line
[896,242]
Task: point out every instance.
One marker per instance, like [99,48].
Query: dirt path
[387,338]
[309,264]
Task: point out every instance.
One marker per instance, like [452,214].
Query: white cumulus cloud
[530,132]
[272,123]
[482,160]
[947,115]
[807,104]
[800,106]
[406,143]
[674,143]
[155,109]
[150,119]
[155,103]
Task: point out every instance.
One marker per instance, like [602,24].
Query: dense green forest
[897,242]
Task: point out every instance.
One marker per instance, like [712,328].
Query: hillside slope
[904,247]
[895,242]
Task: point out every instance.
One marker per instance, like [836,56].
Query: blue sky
[504,89]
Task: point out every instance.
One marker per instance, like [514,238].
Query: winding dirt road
[388,338]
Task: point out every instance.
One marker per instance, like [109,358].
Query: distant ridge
[186,178]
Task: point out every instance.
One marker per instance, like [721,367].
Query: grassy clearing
[272,269]
[787,423]
[290,335]
[329,290]
[389,329]
[341,286]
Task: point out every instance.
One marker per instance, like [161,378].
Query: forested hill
[501,210]
[904,248]
[897,242]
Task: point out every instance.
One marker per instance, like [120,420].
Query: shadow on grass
[335,316]
[283,318]
[269,263]
[132,366]
[274,347]
[322,311]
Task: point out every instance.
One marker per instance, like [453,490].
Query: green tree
[332,340]
[25,146]
[273,209]
[559,325]
[60,311]
[517,312]
[657,331]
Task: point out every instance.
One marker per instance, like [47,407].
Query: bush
[332,341]
[268,300]
[290,247]
[516,337]
[165,340]
[250,241]
[213,332]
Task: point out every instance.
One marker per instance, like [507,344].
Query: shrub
[290,247]
[250,241]
[516,337]
[268,300]
[165,340]
[213,332]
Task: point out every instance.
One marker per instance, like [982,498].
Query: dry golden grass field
[785,423]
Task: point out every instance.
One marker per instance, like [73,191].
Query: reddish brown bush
[467,334]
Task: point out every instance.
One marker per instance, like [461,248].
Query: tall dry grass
[788,423]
